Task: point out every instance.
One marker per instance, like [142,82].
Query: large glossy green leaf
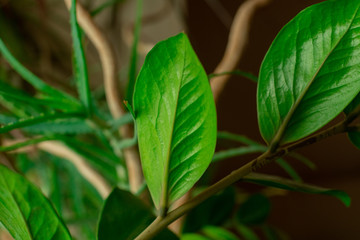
[311,71]
[283,183]
[124,216]
[176,119]
[25,212]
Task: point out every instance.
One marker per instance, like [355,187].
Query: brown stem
[238,37]
[161,223]
[109,65]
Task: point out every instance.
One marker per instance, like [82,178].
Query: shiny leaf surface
[310,73]
[25,212]
[176,119]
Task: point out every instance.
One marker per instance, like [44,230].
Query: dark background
[302,216]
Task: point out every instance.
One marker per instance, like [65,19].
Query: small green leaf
[309,74]
[81,71]
[354,136]
[193,236]
[25,212]
[278,182]
[288,169]
[124,216]
[176,119]
[218,233]
[254,211]
[26,143]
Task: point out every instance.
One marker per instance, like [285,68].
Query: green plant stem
[162,222]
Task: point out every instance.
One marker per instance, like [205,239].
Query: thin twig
[162,222]
[238,37]
[109,65]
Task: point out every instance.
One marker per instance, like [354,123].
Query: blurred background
[37,33]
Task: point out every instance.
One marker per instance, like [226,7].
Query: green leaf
[246,232]
[125,216]
[36,82]
[61,126]
[81,71]
[193,236]
[218,156]
[354,136]
[26,143]
[25,212]
[37,119]
[283,183]
[218,233]
[176,119]
[310,73]
[254,211]
[200,216]
[134,53]
[288,169]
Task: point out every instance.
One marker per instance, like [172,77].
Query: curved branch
[162,222]
[109,65]
[238,38]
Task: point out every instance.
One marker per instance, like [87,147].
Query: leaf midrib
[164,199]
[280,133]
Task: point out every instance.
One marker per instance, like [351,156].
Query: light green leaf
[193,236]
[125,216]
[176,119]
[283,183]
[25,212]
[310,73]
[81,71]
[246,232]
[218,233]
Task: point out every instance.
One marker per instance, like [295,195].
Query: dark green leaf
[124,216]
[200,216]
[254,211]
[37,119]
[289,169]
[218,156]
[81,72]
[354,136]
[247,75]
[278,182]
[176,119]
[36,82]
[25,212]
[61,126]
[310,73]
